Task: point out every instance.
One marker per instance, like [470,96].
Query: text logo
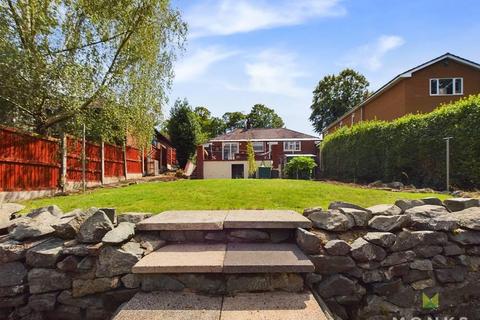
[430,303]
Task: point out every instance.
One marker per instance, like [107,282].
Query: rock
[361,217]
[387,288]
[83,249]
[45,280]
[332,220]
[468,218]
[111,214]
[53,210]
[69,225]
[385,210]
[12,274]
[474,251]
[45,254]
[131,280]
[336,285]
[441,262]
[92,301]
[472,263]
[376,184]
[405,240]
[332,264]
[160,282]
[13,302]
[97,314]
[173,235]
[369,265]
[383,239]
[363,251]
[428,251]
[416,275]
[38,226]
[308,211]
[398,258]
[69,264]
[424,265]
[12,250]
[8,209]
[453,275]
[453,250]
[204,283]
[389,223]
[431,237]
[308,241]
[373,276]
[122,233]
[279,235]
[62,312]
[312,279]
[43,302]
[458,204]
[82,288]
[423,284]
[13,290]
[94,228]
[217,236]
[405,297]
[433,201]
[405,204]
[150,242]
[113,299]
[340,204]
[194,236]
[249,235]
[133,217]
[397,270]
[465,237]
[114,261]
[430,217]
[337,247]
[87,263]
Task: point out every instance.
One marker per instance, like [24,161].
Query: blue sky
[243,52]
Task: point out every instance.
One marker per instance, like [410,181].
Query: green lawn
[224,194]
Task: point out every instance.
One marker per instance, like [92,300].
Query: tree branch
[16,19]
[89,44]
[18,106]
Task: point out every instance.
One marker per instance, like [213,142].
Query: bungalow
[226,155]
[418,90]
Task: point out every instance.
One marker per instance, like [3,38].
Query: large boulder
[114,261]
[364,251]
[406,204]
[45,280]
[332,264]
[7,211]
[389,223]
[46,254]
[383,239]
[12,250]
[397,258]
[431,217]
[150,242]
[332,220]
[43,302]
[248,235]
[340,204]
[122,233]
[468,218]
[94,227]
[361,217]
[337,247]
[133,217]
[308,241]
[12,274]
[459,204]
[53,210]
[85,287]
[385,210]
[37,225]
[337,285]
[465,237]
[69,225]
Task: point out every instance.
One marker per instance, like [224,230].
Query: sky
[242,52]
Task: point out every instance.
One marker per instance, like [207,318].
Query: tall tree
[210,126]
[262,117]
[234,120]
[335,95]
[100,63]
[184,131]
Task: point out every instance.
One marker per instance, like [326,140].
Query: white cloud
[276,72]
[370,56]
[198,62]
[226,17]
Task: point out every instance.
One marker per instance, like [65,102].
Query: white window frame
[438,87]
[297,143]
[232,155]
[258,143]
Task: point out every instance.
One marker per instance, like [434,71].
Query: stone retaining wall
[376,263]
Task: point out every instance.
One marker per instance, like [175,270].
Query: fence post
[63,174]
[84,161]
[125,166]
[102,162]
[143,161]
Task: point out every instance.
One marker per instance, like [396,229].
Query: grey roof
[263,135]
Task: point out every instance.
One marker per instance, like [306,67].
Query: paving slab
[268,219]
[185,220]
[183,258]
[171,306]
[271,306]
[265,258]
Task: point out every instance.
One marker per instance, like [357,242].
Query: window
[291,146]
[229,150]
[258,146]
[446,86]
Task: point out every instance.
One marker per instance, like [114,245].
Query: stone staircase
[241,264]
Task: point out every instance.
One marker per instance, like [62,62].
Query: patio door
[238,171]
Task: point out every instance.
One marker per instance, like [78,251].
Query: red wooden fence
[30,162]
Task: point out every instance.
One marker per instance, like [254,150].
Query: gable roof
[261,134]
[401,76]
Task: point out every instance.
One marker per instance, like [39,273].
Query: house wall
[223,169]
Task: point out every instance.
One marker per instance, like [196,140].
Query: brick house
[226,155]
[418,90]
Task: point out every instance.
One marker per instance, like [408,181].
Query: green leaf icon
[430,303]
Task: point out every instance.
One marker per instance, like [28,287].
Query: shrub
[300,168]
[410,149]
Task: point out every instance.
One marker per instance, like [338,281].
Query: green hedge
[410,149]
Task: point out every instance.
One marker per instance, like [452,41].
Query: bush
[410,149]
[300,168]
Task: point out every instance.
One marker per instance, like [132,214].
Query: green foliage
[335,95]
[252,167]
[234,120]
[300,168]
[210,126]
[184,131]
[410,149]
[102,63]
[262,117]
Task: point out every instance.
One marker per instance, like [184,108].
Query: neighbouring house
[418,90]
[226,155]
[162,155]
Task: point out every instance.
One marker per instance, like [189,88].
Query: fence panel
[134,160]
[114,166]
[28,162]
[93,160]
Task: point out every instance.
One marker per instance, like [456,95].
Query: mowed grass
[156,197]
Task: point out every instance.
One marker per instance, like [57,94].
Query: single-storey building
[226,155]
[418,90]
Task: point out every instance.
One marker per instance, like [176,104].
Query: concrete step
[223,219]
[248,306]
[229,258]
